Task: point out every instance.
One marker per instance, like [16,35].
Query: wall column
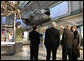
[14,27]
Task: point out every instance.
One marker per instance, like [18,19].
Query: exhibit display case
[9,46]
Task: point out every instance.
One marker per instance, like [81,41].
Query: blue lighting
[3,20]
[18,20]
[59,9]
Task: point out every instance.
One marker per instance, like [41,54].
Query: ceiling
[22,4]
[29,5]
[32,5]
[11,7]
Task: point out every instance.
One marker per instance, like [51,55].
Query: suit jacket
[34,38]
[76,43]
[52,38]
[77,38]
[67,39]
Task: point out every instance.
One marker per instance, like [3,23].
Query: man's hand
[61,46]
[62,26]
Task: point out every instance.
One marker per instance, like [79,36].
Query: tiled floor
[25,54]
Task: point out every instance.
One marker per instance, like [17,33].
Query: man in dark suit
[67,40]
[34,38]
[76,43]
[52,38]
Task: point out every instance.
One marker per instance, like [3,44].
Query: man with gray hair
[52,38]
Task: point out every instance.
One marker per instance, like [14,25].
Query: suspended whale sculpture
[36,17]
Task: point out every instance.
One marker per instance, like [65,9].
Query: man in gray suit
[67,42]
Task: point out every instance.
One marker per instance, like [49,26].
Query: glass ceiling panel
[23,3]
[26,2]
[15,2]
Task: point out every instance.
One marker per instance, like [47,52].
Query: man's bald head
[53,24]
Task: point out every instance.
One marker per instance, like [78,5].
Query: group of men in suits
[70,42]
